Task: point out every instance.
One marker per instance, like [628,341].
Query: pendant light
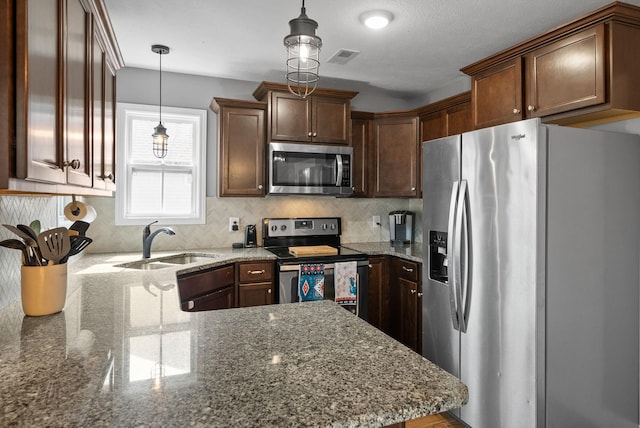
[160,137]
[303,55]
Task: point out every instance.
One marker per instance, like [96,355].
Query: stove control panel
[292,227]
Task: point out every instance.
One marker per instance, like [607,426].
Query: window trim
[123,110]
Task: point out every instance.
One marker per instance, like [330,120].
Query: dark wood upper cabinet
[242,145]
[567,75]
[361,132]
[581,73]
[59,111]
[394,156]
[323,117]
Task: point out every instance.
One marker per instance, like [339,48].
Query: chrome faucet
[147,238]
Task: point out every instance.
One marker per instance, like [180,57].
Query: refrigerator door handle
[458,248]
[453,279]
[464,262]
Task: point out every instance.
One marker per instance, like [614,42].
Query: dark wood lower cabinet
[255,294]
[405,302]
[440,420]
[207,290]
[378,297]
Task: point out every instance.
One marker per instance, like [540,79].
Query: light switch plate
[376,221]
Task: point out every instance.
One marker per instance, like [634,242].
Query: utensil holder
[44,289]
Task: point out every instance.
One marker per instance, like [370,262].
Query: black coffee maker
[401,227]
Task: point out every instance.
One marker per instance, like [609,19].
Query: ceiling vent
[343,56]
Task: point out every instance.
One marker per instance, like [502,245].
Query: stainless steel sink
[169,261]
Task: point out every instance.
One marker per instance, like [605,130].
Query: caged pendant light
[303,55]
[160,137]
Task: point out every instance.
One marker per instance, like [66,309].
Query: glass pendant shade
[303,55]
[160,141]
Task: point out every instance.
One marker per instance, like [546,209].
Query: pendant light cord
[160,53]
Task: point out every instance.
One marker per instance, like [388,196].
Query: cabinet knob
[109,177]
[516,111]
[255,272]
[531,108]
[419,294]
[413,189]
[414,291]
[315,134]
[269,291]
[74,164]
[259,186]
[406,269]
[309,134]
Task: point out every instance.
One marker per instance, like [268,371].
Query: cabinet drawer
[255,272]
[197,284]
[220,299]
[408,270]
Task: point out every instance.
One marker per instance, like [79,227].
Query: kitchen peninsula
[122,353]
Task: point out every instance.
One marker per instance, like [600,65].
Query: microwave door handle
[339,170]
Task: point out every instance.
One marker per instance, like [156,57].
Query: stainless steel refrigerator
[531,280]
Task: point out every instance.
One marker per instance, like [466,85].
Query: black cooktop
[344,255]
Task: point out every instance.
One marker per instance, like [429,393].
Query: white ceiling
[422,49]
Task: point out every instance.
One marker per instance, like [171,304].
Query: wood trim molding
[103,24]
[616,11]
[7,90]
[218,102]
[265,87]
[462,98]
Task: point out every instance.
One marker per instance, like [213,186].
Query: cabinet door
[330,120]
[290,117]
[458,119]
[378,296]
[242,147]
[432,126]
[98,59]
[408,313]
[39,139]
[360,134]
[567,74]
[219,299]
[395,155]
[76,93]
[256,272]
[255,294]
[192,286]
[496,94]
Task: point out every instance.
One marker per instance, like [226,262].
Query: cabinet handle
[256,272]
[259,186]
[315,134]
[191,304]
[413,189]
[74,164]
[419,294]
[516,111]
[269,291]
[406,269]
[414,291]
[531,108]
[109,177]
[309,134]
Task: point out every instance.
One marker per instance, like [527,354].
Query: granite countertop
[411,252]
[122,353]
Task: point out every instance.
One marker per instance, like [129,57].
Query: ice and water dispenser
[438,262]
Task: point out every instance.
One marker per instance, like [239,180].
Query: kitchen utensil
[76,210]
[36,226]
[80,227]
[54,244]
[17,244]
[32,242]
[77,244]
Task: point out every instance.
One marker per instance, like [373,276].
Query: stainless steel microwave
[310,169]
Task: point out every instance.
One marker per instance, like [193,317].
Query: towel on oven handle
[344,274]
[311,282]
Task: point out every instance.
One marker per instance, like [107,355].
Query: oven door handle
[289,268]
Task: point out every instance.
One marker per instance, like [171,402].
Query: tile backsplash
[356,217]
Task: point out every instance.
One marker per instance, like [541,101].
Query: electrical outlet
[234,224]
[376,221]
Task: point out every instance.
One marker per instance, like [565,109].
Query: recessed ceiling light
[376,19]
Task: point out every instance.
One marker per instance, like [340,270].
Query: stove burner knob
[283,227]
[274,228]
[325,226]
[333,227]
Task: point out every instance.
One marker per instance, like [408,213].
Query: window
[170,190]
